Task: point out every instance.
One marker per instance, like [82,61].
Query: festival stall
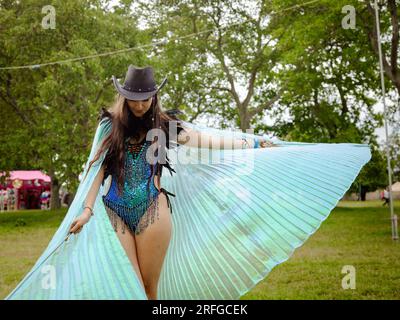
[27,186]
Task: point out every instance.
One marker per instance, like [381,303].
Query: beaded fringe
[135,220]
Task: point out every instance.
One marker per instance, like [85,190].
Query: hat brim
[136,95]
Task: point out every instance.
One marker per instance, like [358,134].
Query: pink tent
[28,175]
[32,184]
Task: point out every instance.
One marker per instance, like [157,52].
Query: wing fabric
[89,265]
[237,219]
[236,215]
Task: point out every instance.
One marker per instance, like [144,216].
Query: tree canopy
[236,64]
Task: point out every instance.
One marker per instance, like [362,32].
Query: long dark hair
[126,124]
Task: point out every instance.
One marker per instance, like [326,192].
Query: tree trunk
[55,188]
[71,198]
[244,118]
[363,193]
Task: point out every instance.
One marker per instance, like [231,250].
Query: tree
[390,30]
[50,112]
[372,176]
[234,48]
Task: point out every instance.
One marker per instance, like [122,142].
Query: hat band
[139,89]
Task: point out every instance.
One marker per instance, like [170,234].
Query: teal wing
[236,215]
[89,265]
[241,214]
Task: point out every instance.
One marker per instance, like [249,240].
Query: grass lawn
[356,234]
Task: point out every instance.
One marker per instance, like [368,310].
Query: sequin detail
[136,206]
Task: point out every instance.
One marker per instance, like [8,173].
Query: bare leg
[128,242]
[152,244]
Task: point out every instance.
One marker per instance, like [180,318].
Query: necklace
[134,149]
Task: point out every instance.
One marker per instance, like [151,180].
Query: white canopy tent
[396,187]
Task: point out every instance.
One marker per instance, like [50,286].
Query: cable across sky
[155,43]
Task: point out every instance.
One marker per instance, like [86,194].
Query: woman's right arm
[78,223]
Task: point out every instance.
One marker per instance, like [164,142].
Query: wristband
[91,210]
[256,143]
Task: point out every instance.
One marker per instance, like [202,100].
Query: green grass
[23,237]
[356,233]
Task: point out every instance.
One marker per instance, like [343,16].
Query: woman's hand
[266,144]
[80,221]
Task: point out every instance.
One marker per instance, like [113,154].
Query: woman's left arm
[200,139]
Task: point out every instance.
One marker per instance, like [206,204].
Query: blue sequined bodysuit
[137,205]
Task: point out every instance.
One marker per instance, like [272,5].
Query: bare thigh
[128,242]
[152,244]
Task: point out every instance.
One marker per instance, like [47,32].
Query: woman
[133,116]
[239,209]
